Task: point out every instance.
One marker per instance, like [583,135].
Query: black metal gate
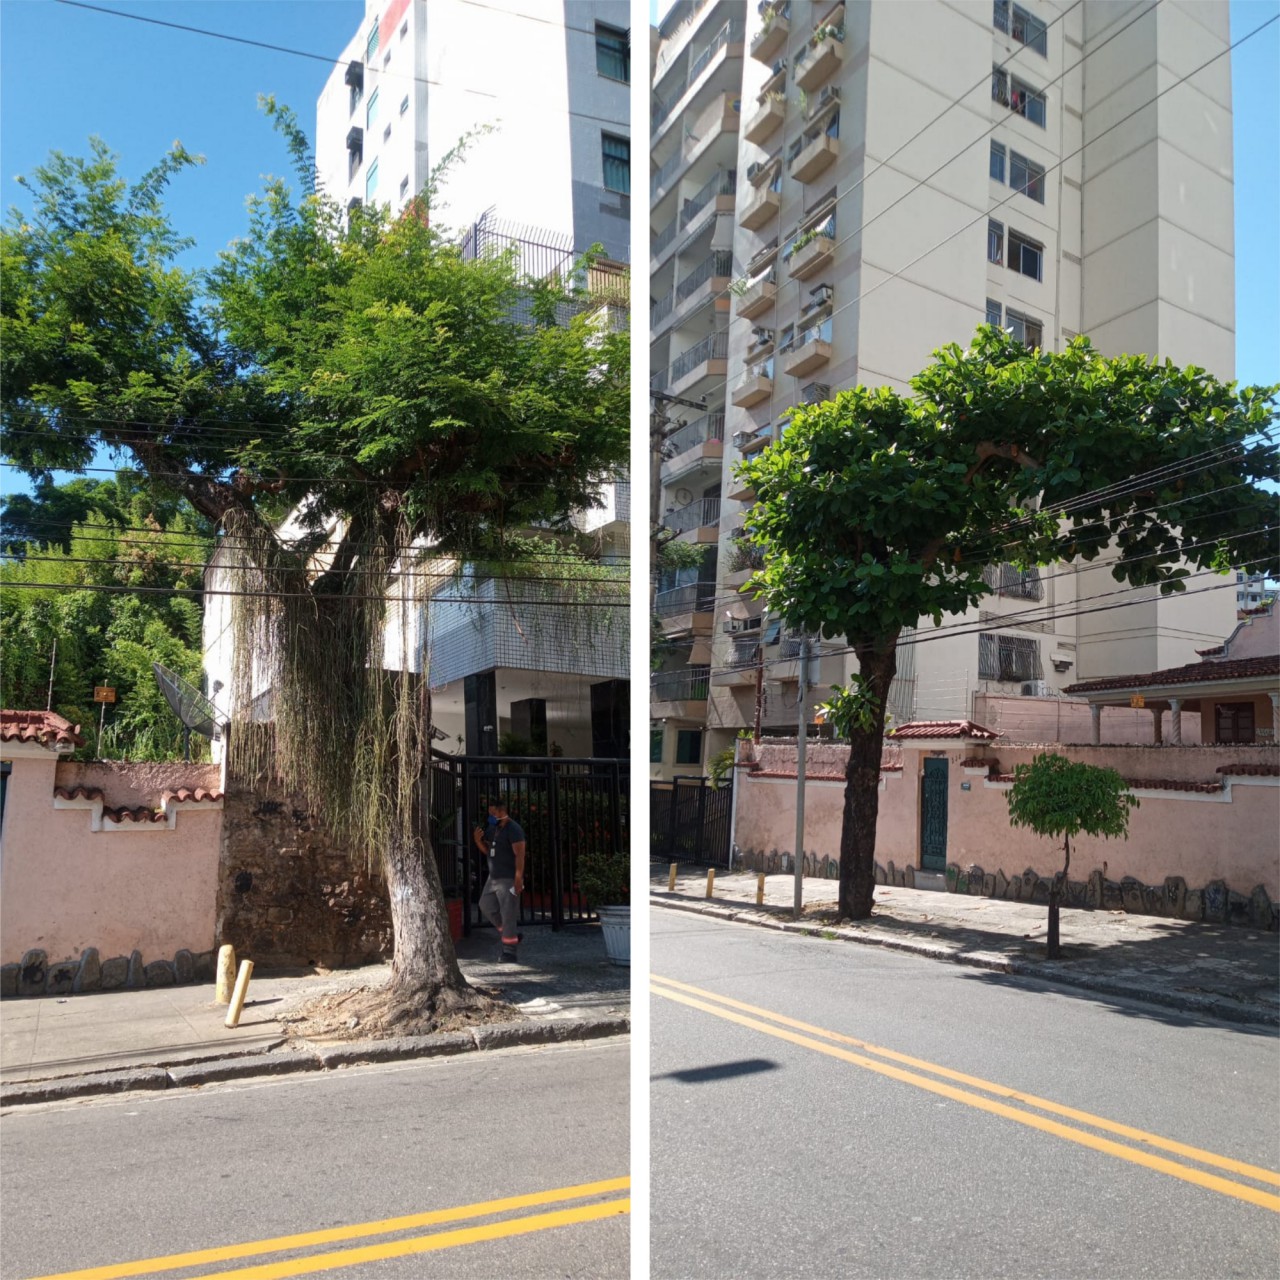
[690,820]
[568,809]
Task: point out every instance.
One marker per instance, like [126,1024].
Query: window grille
[1008,658]
[1009,580]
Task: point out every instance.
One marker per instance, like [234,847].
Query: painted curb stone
[115,973]
[33,973]
[62,977]
[89,978]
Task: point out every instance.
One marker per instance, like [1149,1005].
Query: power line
[320,57]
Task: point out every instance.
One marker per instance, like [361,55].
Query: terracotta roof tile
[943,729]
[44,727]
[1249,770]
[1193,673]
[1147,784]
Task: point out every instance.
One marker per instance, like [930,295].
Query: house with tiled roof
[1234,689]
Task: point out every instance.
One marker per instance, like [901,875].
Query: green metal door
[933,815]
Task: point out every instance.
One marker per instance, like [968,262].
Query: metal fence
[689,685]
[689,821]
[569,809]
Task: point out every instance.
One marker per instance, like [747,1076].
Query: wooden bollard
[671,877]
[226,974]
[242,990]
[760,890]
[711,880]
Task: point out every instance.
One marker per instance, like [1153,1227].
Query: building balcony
[693,447]
[697,521]
[757,297]
[815,158]
[740,491]
[810,353]
[765,122]
[755,385]
[687,610]
[680,695]
[704,359]
[817,63]
[772,37]
[810,257]
[709,279]
[760,209]
[743,667]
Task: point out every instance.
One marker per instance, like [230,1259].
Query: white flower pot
[616,923]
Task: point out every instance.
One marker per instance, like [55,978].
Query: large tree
[876,510]
[410,405]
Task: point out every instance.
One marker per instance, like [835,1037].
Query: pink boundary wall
[139,887]
[1229,835]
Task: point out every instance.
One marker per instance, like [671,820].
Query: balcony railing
[694,597]
[731,33]
[664,238]
[720,184]
[719,264]
[665,170]
[680,686]
[746,653]
[709,427]
[661,309]
[697,514]
[713,347]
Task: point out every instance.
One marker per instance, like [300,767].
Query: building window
[1027,102]
[613,53]
[357,96]
[1008,658]
[1029,30]
[404,187]
[1025,256]
[1029,332]
[386,59]
[371,47]
[994,312]
[404,28]
[1001,18]
[688,746]
[1026,176]
[833,125]
[997,162]
[995,241]
[616,153]
[371,111]
[1233,722]
[655,745]
[371,182]
[1008,580]
[404,104]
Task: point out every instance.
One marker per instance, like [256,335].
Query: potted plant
[604,879]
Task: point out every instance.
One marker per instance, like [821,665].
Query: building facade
[903,173]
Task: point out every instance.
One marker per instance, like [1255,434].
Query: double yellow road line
[997,1099]
[400,1248]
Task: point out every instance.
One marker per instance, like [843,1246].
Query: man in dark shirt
[504,848]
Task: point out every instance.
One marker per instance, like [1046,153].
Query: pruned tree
[876,510]
[1060,798]
[411,406]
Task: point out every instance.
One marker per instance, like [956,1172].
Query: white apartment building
[904,171]
[551,81]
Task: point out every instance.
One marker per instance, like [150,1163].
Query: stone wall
[288,897]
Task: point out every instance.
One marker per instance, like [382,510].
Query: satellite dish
[197,713]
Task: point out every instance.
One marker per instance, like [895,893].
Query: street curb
[1220,1007]
[317,1058]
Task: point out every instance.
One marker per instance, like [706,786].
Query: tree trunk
[1056,889]
[425,964]
[878,664]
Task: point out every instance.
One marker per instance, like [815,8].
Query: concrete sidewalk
[53,1047]
[1209,970]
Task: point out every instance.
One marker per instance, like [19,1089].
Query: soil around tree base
[377,1013]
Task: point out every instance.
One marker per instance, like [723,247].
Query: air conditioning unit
[732,626]
[761,335]
[830,94]
[815,393]
[741,439]
[1036,689]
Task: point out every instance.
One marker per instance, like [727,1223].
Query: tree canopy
[878,509]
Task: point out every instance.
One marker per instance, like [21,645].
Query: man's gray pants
[501,907]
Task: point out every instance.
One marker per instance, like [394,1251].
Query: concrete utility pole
[802,741]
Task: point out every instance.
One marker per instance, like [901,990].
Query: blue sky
[67,73]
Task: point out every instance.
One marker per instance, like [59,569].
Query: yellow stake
[760,890]
[226,974]
[711,880]
[242,990]
[671,878]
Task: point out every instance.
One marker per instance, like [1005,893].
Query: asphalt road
[778,1150]
[143,1177]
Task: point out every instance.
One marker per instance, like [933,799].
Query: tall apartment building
[552,81]
[903,172]
[551,176]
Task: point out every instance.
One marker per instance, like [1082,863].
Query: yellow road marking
[330,1235]
[1212,1182]
[426,1244]
[1084,1117]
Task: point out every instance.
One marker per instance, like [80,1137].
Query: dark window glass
[997,162]
[995,242]
[1026,176]
[655,746]
[1025,256]
[616,154]
[1234,721]
[613,53]
[689,746]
